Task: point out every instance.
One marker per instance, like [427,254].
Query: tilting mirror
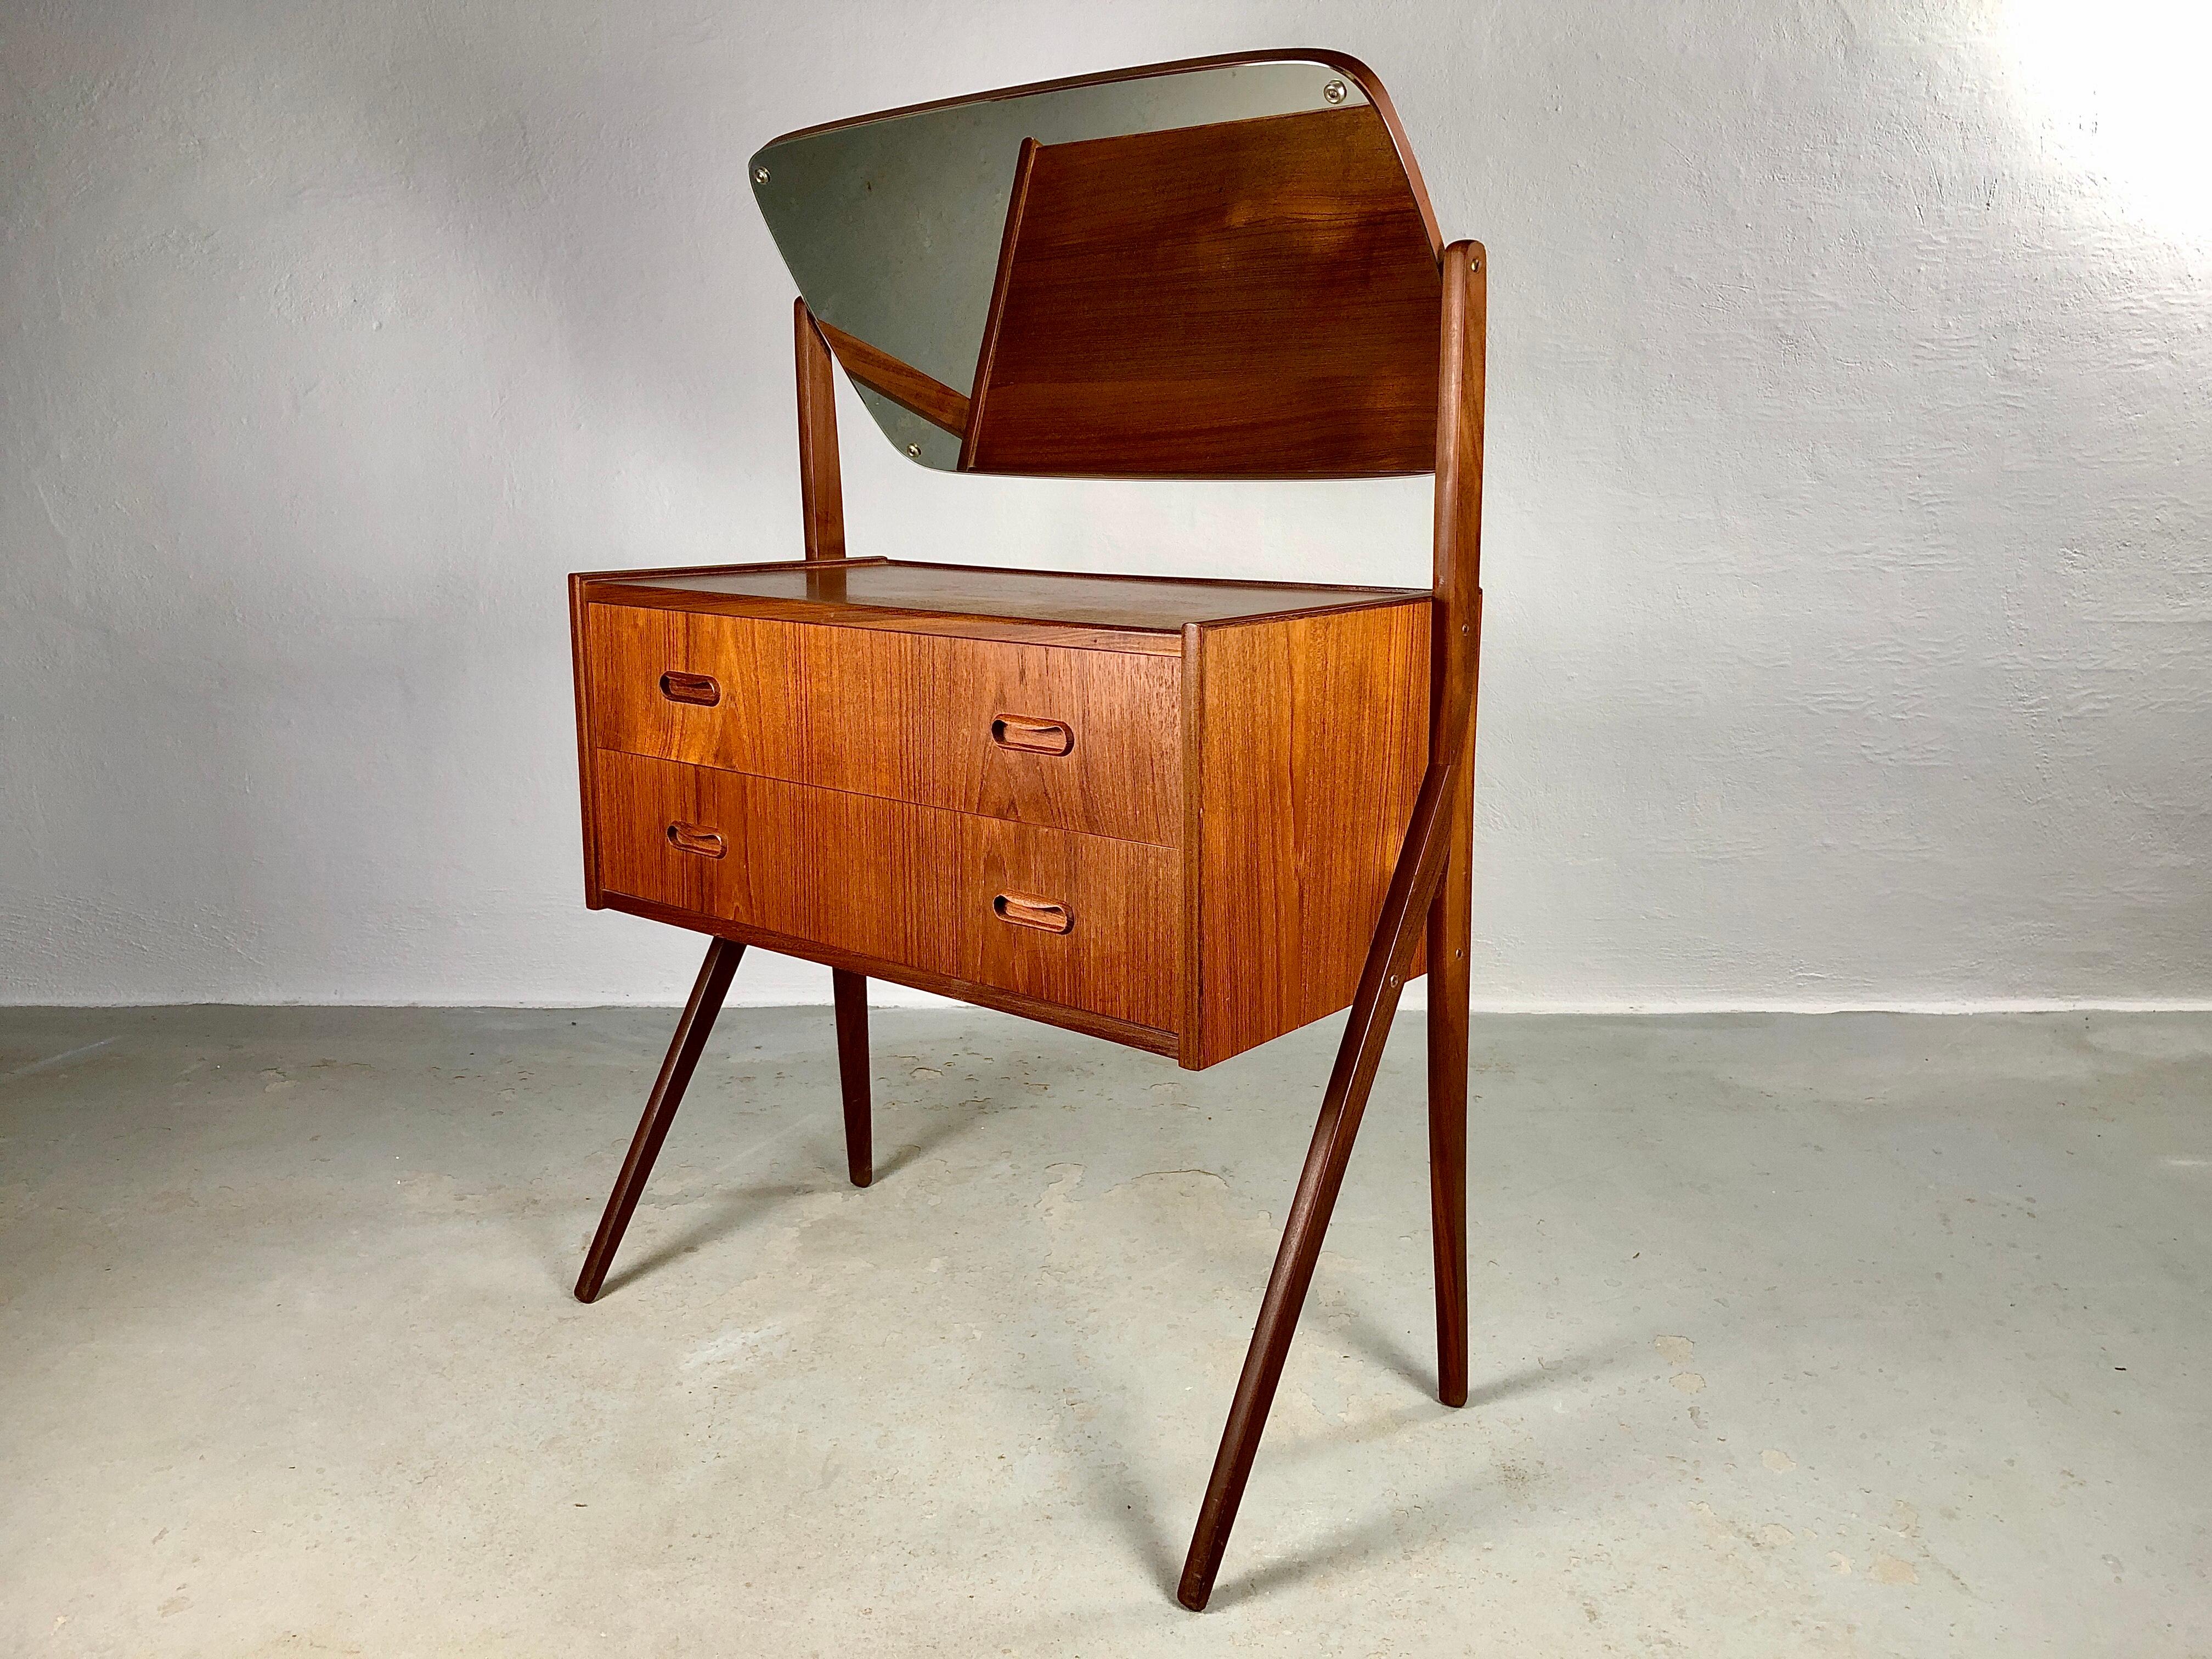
[952,255]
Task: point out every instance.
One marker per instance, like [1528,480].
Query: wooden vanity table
[1187,816]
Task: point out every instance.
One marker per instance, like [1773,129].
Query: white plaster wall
[1849,634]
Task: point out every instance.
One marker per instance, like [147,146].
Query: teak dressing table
[1184,815]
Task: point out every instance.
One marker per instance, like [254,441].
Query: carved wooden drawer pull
[697,689]
[1032,737]
[690,838]
[1041,914]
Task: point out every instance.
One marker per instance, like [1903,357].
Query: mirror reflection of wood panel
[902,383]
[1249,298]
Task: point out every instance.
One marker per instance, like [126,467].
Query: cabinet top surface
[1139,604]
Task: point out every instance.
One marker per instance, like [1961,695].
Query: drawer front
[1068,737]
[736,705]
[1083,922]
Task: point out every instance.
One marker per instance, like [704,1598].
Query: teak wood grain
[1312,738]
[908,716]
[903,884]
[580,665]
[821,484]
[898,380]
[1251,299]
[1305,737]
[1145,1037]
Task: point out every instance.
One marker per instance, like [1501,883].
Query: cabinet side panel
[1314,738]
[1190,732]
[1248,980]
[1360,734]
[594,896]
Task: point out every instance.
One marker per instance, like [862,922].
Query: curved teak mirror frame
[1350,68]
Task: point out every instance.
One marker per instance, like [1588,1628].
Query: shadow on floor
[734,1211]
[949,1123]
[731,1214]
[1163,1559]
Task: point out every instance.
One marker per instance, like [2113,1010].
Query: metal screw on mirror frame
[1334,92]
[760,175]
[914,451]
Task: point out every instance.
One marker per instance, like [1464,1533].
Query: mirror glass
[893,224]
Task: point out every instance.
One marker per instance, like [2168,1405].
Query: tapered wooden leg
[851,992]
[684,1050]
[1450,928]
[1389,954]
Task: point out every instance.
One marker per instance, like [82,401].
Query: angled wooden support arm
[821,489]
[1433,853]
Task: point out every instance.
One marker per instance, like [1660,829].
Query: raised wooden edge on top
[636,587]
[1346,66]
[1369,593]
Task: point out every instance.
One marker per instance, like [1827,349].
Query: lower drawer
[1085,921]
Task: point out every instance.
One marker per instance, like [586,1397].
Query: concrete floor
[1862,1334]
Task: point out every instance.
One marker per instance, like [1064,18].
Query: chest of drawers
[1159,811]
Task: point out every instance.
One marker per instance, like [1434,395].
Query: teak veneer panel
[1313,735]
[1123,774]
[901,715]
[895,882]
[1250,298]
[755,727]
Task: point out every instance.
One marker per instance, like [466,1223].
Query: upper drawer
[1075,739]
